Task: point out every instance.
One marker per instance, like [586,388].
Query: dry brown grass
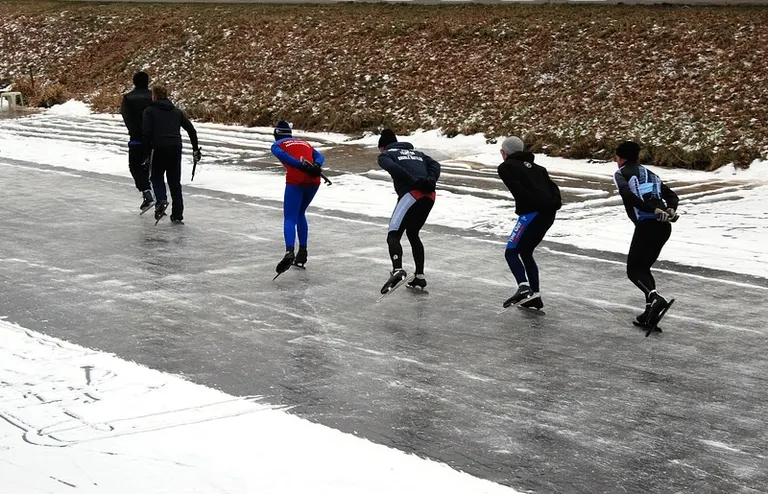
[689,83]
[41,94]
[106,101]
[51,94]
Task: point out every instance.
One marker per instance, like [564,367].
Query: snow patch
[71,108]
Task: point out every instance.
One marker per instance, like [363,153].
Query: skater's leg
[395,248]
[173,174]
[531,238]
[140,174]
[515,265]
[396,256]
[414,220]
[417,248]
[512,253]
[531,269]
[638,269]
[635,262]
[302,227]
[658,235]
[135,159]
[291,206]
[645,248]
[158,177]
[396,229]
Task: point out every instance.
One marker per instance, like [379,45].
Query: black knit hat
[628,150]
[141,79]
[387,137]
[282,130]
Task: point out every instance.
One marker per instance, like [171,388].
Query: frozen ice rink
[577,400]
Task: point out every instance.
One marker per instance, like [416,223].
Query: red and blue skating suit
[300,187]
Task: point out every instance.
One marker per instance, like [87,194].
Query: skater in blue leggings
[295,203]
[537,198]
[302,165]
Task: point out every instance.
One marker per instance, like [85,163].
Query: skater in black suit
[651,206]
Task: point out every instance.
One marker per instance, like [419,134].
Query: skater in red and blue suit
[537,198]
[415,175]
[302,165]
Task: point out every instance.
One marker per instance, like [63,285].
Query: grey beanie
[512,145]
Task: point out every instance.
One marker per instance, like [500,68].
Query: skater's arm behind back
[317,158]
[669,196]
[284,156]
[125,111]
[556,197]
[433,167]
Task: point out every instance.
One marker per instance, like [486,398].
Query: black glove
[197,155]
[426,185]
[673,216]
[310,169]
[145,164]
[661,215]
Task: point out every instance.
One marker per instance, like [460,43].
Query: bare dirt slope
[690,83]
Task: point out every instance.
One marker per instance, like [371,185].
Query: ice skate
[523,293]
[643,318]
[285,263]
[301,257]
[160,208]
[176,221]
[148,201]
[395,280]
[533,302]
[418,281]
[657,306]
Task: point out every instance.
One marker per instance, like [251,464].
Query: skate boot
[285,263]
[523,292]
[656,307]
[176,220]
[643,318]
[148,201]
[160,208]
[397,277]
[301,257]
[418,281]
[533,302]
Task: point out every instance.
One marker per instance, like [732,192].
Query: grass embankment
[690,83]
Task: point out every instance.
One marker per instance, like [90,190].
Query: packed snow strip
[78,420]
[722,223]
[477,149]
